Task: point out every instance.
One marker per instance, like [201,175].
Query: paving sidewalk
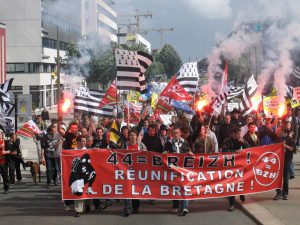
[264,210]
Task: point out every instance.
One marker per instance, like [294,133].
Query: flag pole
[117,100]
[128,114]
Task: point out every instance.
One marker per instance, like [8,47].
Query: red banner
[109,174]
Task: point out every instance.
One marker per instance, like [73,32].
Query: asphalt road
[28,204]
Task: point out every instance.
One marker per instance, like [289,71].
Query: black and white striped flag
[7,124]
[248,93]
[296,72]
[289,92]
[188,77]
[6,106]
[131,66]
[234,92]
[87,101]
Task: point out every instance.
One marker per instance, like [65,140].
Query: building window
[10,67]
[20,67]
[103,11]
[106,27]
[34,67]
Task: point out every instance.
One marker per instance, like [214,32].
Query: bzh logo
[266,169]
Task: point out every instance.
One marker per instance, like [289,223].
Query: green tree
[102,68]
[170,60]
[154,69]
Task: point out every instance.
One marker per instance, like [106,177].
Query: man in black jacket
[234,144]
[152,140]
[224,130]
[251,138]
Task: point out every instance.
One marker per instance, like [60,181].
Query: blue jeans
[292,170]
[51,169]
[183,204]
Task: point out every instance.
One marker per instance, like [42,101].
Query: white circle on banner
[266,169]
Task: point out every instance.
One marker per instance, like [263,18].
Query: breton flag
[289,92]
[246,105]
[131,66]
[6,106]
[7,124]
[234,92]
[296,72]
[87,101]
[188,77]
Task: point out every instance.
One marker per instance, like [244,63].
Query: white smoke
[281,32]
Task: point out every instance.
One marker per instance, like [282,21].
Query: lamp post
[58,61]
[53,75]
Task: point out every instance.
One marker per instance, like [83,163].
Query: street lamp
[58,61]
[53,75]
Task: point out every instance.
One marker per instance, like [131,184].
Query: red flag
[162,107]
[28,130]
[175,91]
[110,96]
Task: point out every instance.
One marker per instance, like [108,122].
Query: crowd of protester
[199,134]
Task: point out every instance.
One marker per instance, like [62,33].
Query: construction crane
[137,16]
[128,25]
[161,31]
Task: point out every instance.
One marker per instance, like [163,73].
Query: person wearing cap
[234,143]
[236,121]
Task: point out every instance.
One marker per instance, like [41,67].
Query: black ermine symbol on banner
[248,157]
[142,159]
[251,185]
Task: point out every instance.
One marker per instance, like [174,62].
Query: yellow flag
[154,100]
[133,96]
[114,134]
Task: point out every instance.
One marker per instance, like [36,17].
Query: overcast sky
[197,23]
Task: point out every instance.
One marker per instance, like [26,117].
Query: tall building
[134,39]
[97,16]
[33,28]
